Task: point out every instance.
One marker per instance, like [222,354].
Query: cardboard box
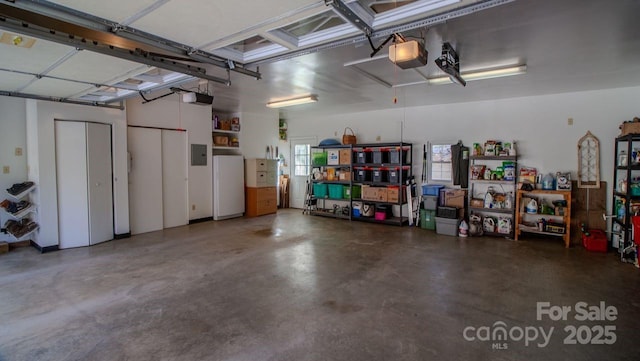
[393,194]
[345,175]
[345,156]
[333,157]
[378,194]
[455,198]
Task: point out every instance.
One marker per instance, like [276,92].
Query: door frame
[298,184]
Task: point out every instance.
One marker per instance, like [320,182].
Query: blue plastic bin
[431,189]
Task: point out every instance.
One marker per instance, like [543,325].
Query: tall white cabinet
[228,186]
[158,179]
[84,183]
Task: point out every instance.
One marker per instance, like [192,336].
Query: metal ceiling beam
[342,9]
[61,100]
[380,33]
[95,23]
[43,75]
[132,55]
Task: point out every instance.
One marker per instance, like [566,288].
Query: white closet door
[145,179]
[100,186]
[174,178]
[71,177]
[228,186]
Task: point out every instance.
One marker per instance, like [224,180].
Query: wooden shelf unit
[549,196]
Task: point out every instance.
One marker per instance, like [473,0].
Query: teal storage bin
[335,191]
[320,190]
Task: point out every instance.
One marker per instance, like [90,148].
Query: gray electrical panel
[198,154]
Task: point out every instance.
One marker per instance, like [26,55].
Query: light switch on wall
[18,151]
[5,169]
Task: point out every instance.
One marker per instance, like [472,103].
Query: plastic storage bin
[362,174]
[320,190]
[380,175]
[430,203]
[596,241]
[319,158]
[447,212]
[396,155]
[380,156]
[431,189]
[396,173]
[351,192]
[447,226]
[427,219]
[335,191]
[363,156]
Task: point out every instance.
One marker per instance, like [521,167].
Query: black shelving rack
[404,155]
[624,171]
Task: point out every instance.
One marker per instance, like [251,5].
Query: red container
[635,220]
[596,241]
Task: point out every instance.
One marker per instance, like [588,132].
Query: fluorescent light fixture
[409,54]
[483,74]
[293,101]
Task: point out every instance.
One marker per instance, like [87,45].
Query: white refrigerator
[228,186]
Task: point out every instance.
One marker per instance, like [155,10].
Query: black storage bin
[380,175]
[396,155]
[363,156]
[380,156]
[362,174]
[447,212]
[394,175]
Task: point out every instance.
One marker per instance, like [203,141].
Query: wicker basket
[221,140]
[630,127]
[349,138]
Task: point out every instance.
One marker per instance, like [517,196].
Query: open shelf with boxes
[545,212]
[354,177]
[331,184]
[382,170]
[492,188]
[225,131]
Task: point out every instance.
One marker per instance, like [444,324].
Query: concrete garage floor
[294,287]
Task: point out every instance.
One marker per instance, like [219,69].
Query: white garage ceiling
[303,47]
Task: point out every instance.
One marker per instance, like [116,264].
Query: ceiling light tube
[293,101]
[483,74]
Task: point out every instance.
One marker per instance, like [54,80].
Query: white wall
[40,116]
[12,135]
[258,131]
[538,125]
[171,113]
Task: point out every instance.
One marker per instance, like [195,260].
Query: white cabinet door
[174,178]
[228,186]
[71,179]
[99,179]
[145,179]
